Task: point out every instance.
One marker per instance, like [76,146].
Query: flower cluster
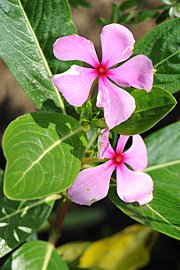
[75,84]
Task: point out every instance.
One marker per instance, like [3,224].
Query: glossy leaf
[125,250]
[18,220]
[162,46]
[43,152]
[37,255]
[20,47]
[162,213]
[150,109]
[50,20]
[164,158]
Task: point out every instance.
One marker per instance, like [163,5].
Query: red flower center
[101,70]
[118,159]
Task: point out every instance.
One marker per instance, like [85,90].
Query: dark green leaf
[18,220]
[115,13]
[37,255]
[129,4]
[150,109]
[162,46]
[77,3]
[43,152]
[162,213]
[21,51]
[50,20]
[144,15]
[126,17]
[162,16]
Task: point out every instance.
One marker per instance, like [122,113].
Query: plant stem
[61,212]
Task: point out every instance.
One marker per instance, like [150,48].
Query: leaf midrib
[48,150]
[151,108]
[162,165]
[163,218]
[37,203]
[164,60]
[47,256]
[61,104]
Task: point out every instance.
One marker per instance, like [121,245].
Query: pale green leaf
[37,255]
[71,252]
[43,152]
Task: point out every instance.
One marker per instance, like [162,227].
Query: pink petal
[134,186]
[92,184]
[117,43]
[136,72]
[75,84]
[118,104]
[136,156]
[75,47]
[121,143]
[104,147]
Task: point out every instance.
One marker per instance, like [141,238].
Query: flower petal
[136,156]
[118,104]
[117,43]
[121,143]
[134,186]
[136,72]
[91,184]
[75,84]
[75,47]
[104,147]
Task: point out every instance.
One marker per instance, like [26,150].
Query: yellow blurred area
[126,250]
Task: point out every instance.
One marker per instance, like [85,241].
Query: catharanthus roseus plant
[117,46]
[92,184]
[62,154]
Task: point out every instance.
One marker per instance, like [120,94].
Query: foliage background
[102,219]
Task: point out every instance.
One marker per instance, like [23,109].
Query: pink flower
[117,45]
[92,184]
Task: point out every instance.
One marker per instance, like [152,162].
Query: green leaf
[164,158]
[144,15]
[162,213]
[114,252]
[115,13]
[37,255]
[20,47]
[162,46]
[150,109]
[129,4]
[43,152]
[77,3]
[50,20]
[18,220]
